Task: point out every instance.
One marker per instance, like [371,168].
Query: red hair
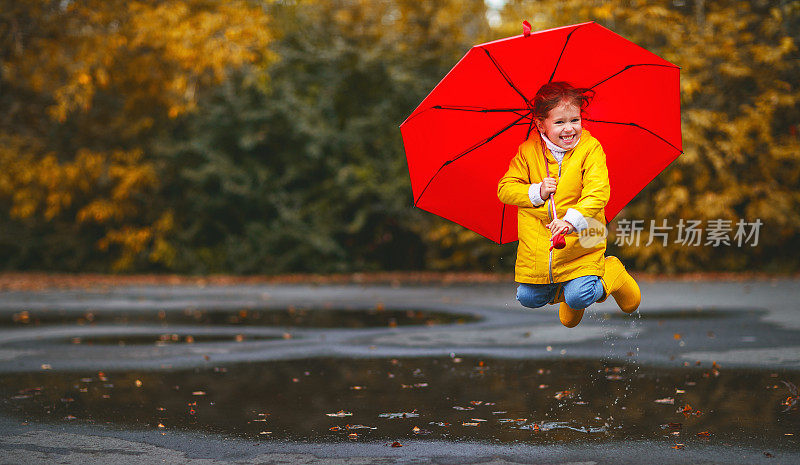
[551,94]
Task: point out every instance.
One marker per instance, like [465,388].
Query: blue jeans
[578,293]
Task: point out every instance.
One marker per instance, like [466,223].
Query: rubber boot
[569,316]
[620,285]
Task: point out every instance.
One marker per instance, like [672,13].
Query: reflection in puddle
[295,317]
[449,398]
[163,339]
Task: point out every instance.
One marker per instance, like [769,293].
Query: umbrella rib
[505,76]
[635,125]
[632,66]
[530,129]
[478,109]
[474,147]
[562,53]
[502,220]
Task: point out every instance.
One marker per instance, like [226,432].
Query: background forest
[243,136]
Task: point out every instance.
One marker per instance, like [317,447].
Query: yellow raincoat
[582,184]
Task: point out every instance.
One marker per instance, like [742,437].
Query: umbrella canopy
[461,138]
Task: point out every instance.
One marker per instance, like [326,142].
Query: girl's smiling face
[562,125]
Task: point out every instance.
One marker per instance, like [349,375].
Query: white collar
[553,147]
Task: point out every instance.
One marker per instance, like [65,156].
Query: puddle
[161,339]
[445,398]
[294,317]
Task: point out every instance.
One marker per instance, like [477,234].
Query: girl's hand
[559,227]
[548,187]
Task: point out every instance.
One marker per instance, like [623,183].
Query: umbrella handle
[558,241]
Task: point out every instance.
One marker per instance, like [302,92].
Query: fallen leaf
[412,386]
[351,427]
[678,446]
[791,401]
[704,434]
[396,444]
[392,416]
[563,394]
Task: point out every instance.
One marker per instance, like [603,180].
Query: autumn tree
[86,86]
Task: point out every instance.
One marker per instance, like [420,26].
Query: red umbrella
[461,138]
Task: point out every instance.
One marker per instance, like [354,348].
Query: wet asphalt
[707,332]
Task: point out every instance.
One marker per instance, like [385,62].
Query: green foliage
[308,173]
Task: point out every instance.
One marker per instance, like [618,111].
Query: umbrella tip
[526,28]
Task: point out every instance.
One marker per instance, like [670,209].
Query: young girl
[563,163]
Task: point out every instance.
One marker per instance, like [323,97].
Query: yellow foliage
[152,52]
[96,187]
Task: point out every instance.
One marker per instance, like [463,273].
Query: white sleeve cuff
[577,220]
[534,193]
